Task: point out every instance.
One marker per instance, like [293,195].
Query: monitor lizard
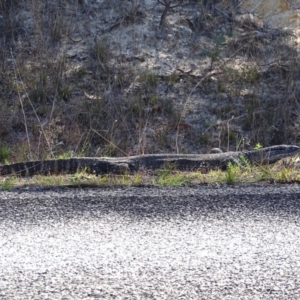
[188,162]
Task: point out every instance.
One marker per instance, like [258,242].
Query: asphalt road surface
[204,242]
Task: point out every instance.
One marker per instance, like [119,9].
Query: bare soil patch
[116,78]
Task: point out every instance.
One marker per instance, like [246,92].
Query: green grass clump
[8,183]
[231,173]
[172,179]
[4,154]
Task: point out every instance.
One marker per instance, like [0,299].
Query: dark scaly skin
[149,161]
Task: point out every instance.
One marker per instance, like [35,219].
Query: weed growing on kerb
[233,171]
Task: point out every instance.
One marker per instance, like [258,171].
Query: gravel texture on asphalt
[201,242]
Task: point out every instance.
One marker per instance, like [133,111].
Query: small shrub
[214,53]
[231,172]
[4,153]
[101,51]
[81,73]
[258,146]
[7,184]
[67,154]
[65,92]
[150,78]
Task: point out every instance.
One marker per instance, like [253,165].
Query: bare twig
[17,75]
[168,7]
[110,142]
[194,88]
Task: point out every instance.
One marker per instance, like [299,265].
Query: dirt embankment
[116,78]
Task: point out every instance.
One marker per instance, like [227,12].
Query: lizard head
[274,153]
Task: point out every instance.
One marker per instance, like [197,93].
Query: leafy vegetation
[4,154]
[234,174]
[215,52]
[130,81]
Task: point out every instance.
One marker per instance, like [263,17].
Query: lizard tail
[46,167]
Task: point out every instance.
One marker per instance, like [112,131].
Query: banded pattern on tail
[119,165]
[46,167]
